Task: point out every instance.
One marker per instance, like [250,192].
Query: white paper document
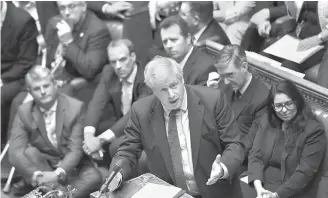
[151,190]
[286,48]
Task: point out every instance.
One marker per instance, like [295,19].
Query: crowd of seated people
[197,121]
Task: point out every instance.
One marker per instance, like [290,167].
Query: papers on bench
[273,63]
[151,190]
[286,48]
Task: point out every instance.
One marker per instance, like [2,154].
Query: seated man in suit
[46,138]
[76,42]
[18,54]
[199,16]
[202,25]
[188,133]
[178,44]
[121,84]
[246,94]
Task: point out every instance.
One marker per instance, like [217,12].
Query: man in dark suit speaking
[187,132]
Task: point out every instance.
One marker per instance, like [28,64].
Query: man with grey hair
[46,138]
[187,132]
[247,94]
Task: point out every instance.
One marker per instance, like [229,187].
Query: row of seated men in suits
[83,59]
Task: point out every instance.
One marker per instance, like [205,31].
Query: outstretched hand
[217,171]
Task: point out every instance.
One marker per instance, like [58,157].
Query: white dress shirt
[50,122]
[185,145]
[127,91]
[184,60]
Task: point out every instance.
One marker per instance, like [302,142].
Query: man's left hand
[308,43]
[48,177]
[91,144]
[64,32]
[217,171]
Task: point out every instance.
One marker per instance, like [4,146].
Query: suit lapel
[195,123]
[60,117]
[39,120]
[156,118]
[208,32]
[270,138]
[240,104]
[188,67]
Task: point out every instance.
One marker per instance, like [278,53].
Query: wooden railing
[313,93]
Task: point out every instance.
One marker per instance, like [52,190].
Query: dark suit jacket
[29,130]
[298,168]
[108,93]
[212,132]
[19,47]
[215,33]
[249,108]
[87,54]
[48,9]
[197,67]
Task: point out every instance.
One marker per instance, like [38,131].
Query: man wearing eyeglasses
[247,95]
[76,43]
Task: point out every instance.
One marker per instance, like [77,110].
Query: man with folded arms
[187,132]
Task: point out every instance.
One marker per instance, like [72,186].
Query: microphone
[117,168]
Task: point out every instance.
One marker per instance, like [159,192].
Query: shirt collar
[184,104]
[184,60]
[199,33]
[3,11]
[53,108]
[248,82]
[130,79]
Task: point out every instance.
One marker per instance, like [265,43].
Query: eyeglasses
[279,106]
[69,6]
[228,75]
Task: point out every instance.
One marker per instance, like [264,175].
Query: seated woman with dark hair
[288,149]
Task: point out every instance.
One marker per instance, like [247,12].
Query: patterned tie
[175,150]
